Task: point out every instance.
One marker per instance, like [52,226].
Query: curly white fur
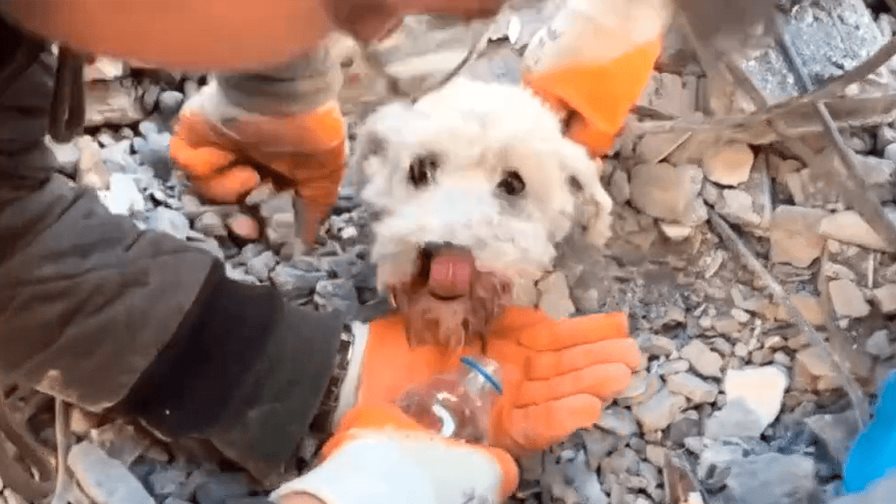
[478,132]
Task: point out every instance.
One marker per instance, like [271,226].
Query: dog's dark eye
[512,184]
[422,170]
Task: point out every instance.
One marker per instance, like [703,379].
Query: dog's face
[471,189]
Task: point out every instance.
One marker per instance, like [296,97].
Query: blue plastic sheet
[873,455]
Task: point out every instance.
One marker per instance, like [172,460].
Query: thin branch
[829,89]
[63,437]
[848,170]
[736,245]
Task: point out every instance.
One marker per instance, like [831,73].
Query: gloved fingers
[199,161]
[603,381]
[538,426]
[596,140]
[228,186]
[577,331]
[545,365]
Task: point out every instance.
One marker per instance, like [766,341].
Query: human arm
[204,35]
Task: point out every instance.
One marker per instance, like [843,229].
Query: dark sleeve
[105,315]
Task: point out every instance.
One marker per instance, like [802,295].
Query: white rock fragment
[692,387]
[115,102]
[554,298]
[794,235]
[675,232]
[737,206]
[728,164]
[847,299]
[885,297]
[122,197]
[169,221]
[849,227]
[659,411]
[753,401]
[104,479]
[669,193]
[704,360]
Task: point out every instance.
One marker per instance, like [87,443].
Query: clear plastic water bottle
[457,405]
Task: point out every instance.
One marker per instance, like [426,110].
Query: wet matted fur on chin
[480,167]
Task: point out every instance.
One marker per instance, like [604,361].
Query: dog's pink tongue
[450,273]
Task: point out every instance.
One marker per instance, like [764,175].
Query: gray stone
[619,421]
[847,299]
[737,206]
[104,479]
[656,345]
[619,187]
[120,441]
[673,366]
[836,431]
[169,221]
[736,419]
[112,102]
[295,283]
[170,102]
[683,428]
[217,488]
[659,411]
[152,151]
[599,444]
[554,297]
[878,344]
[702,359]
[669,193]
[794,235]
[166,481]
[772,478]
[692,387]
[568,479]
[885,297]
[210,224]
[260,266]
[337,295]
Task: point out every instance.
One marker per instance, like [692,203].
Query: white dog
[471,189]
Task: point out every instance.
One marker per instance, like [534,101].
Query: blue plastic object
[873,455]
[476,366]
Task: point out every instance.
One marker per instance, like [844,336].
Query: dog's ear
[387,125]
[593,204]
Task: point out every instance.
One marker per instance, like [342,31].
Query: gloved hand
[593,61]
[226,152]
[556,374]
[380,455]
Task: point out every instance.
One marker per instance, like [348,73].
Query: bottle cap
[481,370]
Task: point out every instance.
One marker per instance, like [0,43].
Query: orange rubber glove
[593,62]
[556,374]
[379,455]
[225,160]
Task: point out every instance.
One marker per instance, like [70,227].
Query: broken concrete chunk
[655,147]
[260,266]
[704,361]
[619,421]
[112,102]
[878,344]
[761,389]
[169,221]
[847,299]
[122,197]
[836,431]
[554,298]
[771,478]
[657,345]
[692,387]
[210,224]
[737,206]
[794,235]
[669,193]
[849,227]
[104,479]
[659,411]
[728,164]
[885,297]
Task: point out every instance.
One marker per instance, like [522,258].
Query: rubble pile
[728,382]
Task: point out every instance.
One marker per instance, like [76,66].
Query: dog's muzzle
[448,301]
